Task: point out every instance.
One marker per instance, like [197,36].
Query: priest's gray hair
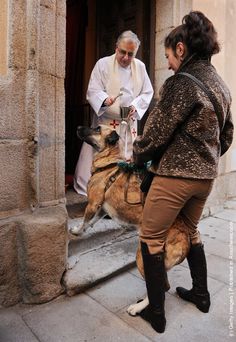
[130,36]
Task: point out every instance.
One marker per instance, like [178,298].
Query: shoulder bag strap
[206,90]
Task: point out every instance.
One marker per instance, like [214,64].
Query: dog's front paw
[75,230]
[135,309]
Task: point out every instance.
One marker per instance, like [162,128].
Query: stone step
[75,204]
[91,266]
[105,230]
[230,204]
[102,251]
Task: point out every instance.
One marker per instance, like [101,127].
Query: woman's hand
[131,112]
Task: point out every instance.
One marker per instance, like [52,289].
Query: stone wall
[33,235]
[3,37]
[168,15]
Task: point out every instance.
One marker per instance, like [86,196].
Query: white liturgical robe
[108,79]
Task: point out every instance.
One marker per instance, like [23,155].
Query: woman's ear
[180,50]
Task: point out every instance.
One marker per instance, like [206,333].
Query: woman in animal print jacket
[184,125]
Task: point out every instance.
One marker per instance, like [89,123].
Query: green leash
[132,167]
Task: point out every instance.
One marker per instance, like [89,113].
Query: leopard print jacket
[182,135]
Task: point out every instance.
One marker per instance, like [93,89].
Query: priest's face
[125,52]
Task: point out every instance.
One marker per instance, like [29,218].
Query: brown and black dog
[115,191]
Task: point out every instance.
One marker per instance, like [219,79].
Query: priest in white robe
[119,92]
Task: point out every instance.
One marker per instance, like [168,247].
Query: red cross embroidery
[134,132]
[114,124]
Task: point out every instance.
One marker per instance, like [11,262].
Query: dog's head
[98,137]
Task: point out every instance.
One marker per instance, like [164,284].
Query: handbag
[147,181]
[148,176]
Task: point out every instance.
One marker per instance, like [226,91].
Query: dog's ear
[112,138]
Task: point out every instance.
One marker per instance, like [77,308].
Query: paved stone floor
[99,314]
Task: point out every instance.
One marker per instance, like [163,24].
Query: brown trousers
[167,198]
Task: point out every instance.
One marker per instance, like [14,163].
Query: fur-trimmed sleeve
[226,136]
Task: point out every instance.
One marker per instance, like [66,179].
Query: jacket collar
[191,59]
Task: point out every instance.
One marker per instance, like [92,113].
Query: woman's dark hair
[197,33]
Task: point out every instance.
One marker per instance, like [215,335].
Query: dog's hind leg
[91,216]
[136,308]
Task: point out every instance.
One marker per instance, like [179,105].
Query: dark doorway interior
[91,32]
[77,19]
[117,16]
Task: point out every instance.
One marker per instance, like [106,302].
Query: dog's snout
[82,131]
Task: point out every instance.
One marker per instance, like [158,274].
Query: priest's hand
[109,101]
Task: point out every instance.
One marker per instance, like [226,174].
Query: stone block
[160,60]
[18,35]
[160,36]
[100,263]
[31,100]
[125,295]
[227,214]
[4,37]
[12,104]
[180,9]
[60,109]
[164,14]
[10,292]
[61,8]
[47,173]
[230,184]
[42,252]
[47,44]
[51,138]
[47,107]
[13,328]
[170,13]
[61,46]
[222,165]
[218,195]
[51,173]
[160,76]
[79,319]
[60,170]
[13,175]
[33,34]
[49,4]
[184,7]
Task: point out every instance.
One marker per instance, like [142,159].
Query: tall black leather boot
[154,270]
[199,294]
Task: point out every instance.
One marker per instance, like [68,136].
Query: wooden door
[114,17]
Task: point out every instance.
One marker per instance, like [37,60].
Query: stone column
[168,15]
[3,37]
[33,218]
